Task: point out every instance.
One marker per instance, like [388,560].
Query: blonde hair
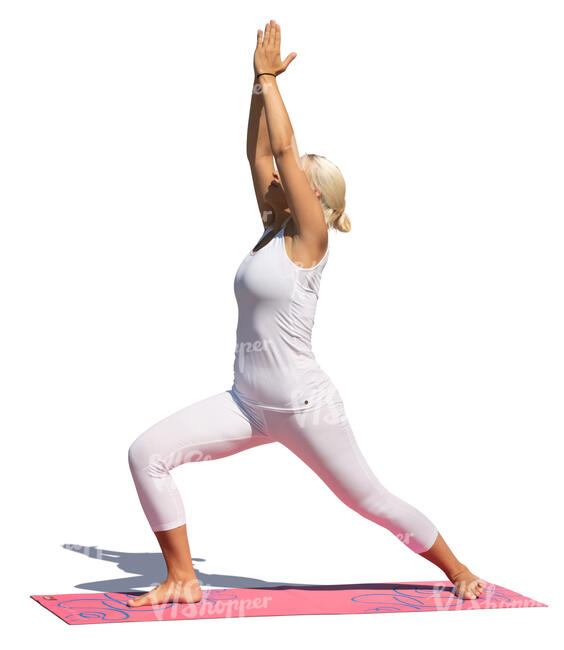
[327,177]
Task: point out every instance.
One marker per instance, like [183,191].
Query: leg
[467,585]
[211,428]
[324,440]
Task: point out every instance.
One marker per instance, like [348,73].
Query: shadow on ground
[149,569]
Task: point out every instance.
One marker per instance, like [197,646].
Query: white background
[127,206]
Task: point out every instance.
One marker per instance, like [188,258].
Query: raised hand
[267,53]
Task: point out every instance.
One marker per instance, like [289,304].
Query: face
[275,192]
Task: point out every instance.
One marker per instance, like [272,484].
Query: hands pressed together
[267,53]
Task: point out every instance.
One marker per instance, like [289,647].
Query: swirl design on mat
[433,597]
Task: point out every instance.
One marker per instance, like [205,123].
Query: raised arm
[302,200]
[259,153]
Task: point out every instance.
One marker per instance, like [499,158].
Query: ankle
[185,577]
[457,570]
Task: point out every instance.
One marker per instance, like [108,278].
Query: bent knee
[140,456]
[136,456]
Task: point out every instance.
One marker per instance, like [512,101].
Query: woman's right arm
[259,153]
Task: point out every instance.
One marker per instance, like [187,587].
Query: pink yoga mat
[79,609]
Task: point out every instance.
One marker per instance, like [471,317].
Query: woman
[279,392]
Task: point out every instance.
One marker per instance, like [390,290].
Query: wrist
[265,74]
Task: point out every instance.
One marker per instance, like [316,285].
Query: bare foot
[170,591]
[466,584]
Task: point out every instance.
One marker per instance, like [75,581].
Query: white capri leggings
[222,425]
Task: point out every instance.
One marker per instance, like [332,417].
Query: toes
[143,599]
[467,590]
[163,593]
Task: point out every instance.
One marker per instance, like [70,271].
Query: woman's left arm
[302,200]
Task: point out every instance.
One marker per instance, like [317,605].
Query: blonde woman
[279,393]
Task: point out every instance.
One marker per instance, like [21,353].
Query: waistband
[323,399]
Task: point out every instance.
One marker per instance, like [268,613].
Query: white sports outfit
[279,394]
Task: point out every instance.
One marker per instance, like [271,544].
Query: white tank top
[274,366]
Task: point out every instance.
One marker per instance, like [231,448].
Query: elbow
[282,150]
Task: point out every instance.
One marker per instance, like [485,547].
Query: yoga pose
[279,392]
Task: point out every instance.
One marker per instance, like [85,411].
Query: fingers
[266,34]
[289,59]
[272,38]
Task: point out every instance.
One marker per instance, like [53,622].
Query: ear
[317,192]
